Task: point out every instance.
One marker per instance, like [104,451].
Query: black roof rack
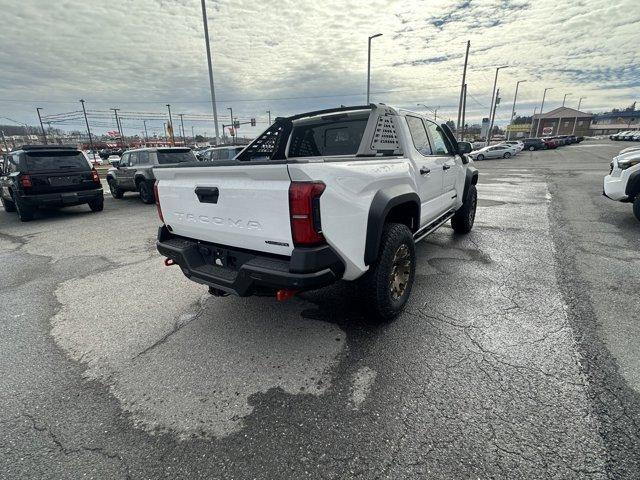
[330,110]
[48,147]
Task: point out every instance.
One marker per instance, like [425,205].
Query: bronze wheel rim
[400,272]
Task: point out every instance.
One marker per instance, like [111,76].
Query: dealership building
[562,121]
[614,122]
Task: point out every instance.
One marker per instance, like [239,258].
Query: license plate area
[64,181]
[219,257]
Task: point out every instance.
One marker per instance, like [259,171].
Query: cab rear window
[331,135]
[45,161]
[175,156]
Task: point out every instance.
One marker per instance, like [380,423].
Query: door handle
[425,171]
[446,167]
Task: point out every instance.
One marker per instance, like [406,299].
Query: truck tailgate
[244,206]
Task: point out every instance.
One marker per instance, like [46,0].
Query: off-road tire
[146,192]
[506,155]
[636,206]
[96,205]
[25,213]
[8,205]
[462,220]
[115,191]
[376,285]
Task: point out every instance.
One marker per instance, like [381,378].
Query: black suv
[134,171]
[48,176]
[534,144]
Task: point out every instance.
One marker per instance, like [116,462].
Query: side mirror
[464,147]
[115,163]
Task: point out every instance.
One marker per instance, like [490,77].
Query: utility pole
[44,135]
[493,116]
[184,141]
[269,113]
[146,135]
[576,119]
[435,111]
[233,136]
[541,110]
[4,141]
[513,109]
[193,135]
[84,111]
[170,127]
[462,87]
[493,97]
[531,129]
[118,126]
[369,64]
[211,87]
[464,111]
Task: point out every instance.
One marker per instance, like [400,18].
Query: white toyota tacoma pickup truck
[623,182]
[333,194]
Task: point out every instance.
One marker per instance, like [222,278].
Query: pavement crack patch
[178,324]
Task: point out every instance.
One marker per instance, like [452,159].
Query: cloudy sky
[289,56]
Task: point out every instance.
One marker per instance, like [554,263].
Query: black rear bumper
[245,272]
[62,199]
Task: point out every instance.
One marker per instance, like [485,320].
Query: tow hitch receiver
[168,262]
[285,294]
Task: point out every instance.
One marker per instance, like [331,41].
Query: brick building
[562,121]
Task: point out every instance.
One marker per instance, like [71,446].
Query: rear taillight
[304,208]
[155,195]
[25,181]
[94,176]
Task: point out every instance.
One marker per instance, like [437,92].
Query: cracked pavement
[516,357]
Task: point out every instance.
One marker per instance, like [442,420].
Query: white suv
[623,182]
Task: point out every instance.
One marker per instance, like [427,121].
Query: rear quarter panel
[344,207]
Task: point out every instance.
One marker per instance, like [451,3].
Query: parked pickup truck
[333,194]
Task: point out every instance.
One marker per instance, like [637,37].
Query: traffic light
[236,124]
[253,122]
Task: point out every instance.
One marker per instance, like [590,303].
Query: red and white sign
[547,130]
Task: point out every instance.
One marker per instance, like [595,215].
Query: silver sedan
[494,151]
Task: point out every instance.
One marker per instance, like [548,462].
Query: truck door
[449,162]
[429,171]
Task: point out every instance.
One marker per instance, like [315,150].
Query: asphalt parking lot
[517,356]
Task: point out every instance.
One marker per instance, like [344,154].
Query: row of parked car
[54,176]
[629,136]
[511,148]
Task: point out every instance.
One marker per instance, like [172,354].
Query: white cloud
[139,55]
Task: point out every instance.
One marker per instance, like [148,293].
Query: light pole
[492,106]
[184,140]
[541,110]
[434,110]
[513,109]
[118,126]
[534,114]
[146,135]
[576,119]
[211,87]
[369,64]
[560,119]
[44,135]
[170,126]
[269,113]
[233,135]
[88,129]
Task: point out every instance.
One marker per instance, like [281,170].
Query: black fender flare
[471,178]
[382,203]
[139,177]
[633,185]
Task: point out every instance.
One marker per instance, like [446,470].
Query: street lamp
[170,126]
[435,111]
[233,135]
[565,98]
[513,109]
[492,106]
[542,110]
[560,119]
[369,64]
[211,88]
[269,113]
[576,119]
[84,111]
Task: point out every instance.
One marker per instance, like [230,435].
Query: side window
[143,158]
[419,135]
[133,159]
[13,163]
[437,136]
[215,155]
[124,161]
